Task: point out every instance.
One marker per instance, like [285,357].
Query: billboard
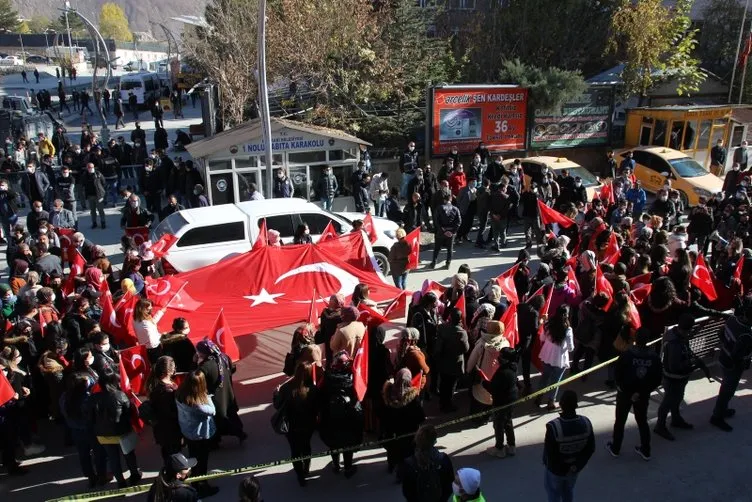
[464,116]
[584,121]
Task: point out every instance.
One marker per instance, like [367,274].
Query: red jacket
[457,181]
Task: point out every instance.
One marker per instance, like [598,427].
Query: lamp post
[67,27]
[738,49]
[264,98]
[98,41]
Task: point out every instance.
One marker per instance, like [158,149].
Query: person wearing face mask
[36,215]
[198,198]
[718,159]
[733,178]
[662,206]
[94,189]
[580,192]
[8,209]
[283,187]
[302,235]
[467,204]
[151,187]
[105,357]
[61,217]
[409,162]
[134,215]
[327,188]
[138,135]
[466,486]
[178,346]
[34,184]
[65,190]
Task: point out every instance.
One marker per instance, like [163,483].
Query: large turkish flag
[272,286]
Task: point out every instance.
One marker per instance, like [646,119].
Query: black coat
[302,412]
[223,395]
[451,346]
[341,414]
[181,349]
[165,425]
[110,413]
[503,385]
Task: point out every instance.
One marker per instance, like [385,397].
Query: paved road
[703,465]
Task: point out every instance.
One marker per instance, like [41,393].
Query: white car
[208,235]
[11,61]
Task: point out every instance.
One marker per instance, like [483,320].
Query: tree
[719,36]
[549,87]
[113,23]
[655,43]
[225,51]
[8,16]
[39,24]
[513,29]
[77,26]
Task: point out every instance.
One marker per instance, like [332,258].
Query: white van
[144,85]
[210,234]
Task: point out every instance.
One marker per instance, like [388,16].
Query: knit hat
[411,334]
[495,294]
[469,480]
[402,383]
[4,289]
[144,251]
[350,314]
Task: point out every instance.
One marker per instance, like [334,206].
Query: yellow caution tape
[367,444]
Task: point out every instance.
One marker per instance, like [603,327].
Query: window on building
[659,133]
[220,165]
[306,157]
[213,234]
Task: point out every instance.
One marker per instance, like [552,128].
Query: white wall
[126,55]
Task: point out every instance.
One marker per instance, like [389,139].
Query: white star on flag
[264,297]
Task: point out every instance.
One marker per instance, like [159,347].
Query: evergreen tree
[8,16]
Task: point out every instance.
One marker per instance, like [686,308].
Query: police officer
[447,222]
[736,350]
[567,449]
[678,363]
[637,375]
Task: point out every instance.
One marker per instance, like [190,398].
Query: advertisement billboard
[584,121]
[464,116]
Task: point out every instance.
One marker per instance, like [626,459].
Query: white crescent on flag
[152,288]
[137,357]
[346,280]
[113,319]
[218,337]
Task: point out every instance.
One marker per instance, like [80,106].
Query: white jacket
[677,241]
[554,354]
[377,184]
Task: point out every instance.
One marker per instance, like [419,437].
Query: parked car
[38,60]
[533,169]
[655,164]
[11,61]
[210,234]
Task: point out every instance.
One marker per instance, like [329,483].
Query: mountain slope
[141,13]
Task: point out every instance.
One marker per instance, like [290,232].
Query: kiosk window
[281,223]
[213,234]
[317,222]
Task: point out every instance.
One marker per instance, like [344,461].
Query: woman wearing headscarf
[449,358]
[557,343]
[8,300]
[494,298]
[274,238]
[349,334]
[541,278]
[302,337]
[478,323]
[300,397]
[426,321]
[341,414]
[94,278]
[330,318]
[402,415]
[451,296]
[410,356]
[217,368]
[47,311]
[585,273]
[563,293]
[482,364]
[589,333]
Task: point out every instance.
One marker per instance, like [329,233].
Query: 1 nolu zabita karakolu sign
[584,121]
[465,115]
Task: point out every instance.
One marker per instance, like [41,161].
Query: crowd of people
[613,274]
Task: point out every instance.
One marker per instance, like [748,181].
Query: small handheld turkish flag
[263,239]
[639,280]
[360,368]
[139,234]
[506,283]
[413,238]
[416,380]
[511,332]
[222,336]
[328,233]
[66,242]
[369,228]
[703,280]
[6,389]
[78,263]
[313,312]
[549,216]
[163,245]
[136,366]
[603,286]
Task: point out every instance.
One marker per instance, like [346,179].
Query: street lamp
[98,41]
[266,125]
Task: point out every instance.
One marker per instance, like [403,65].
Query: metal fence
[705,338]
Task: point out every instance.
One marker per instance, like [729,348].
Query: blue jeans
[379,208]
[550,376]
[406,179]
[559,488]
[111,186]
[327,201]
[7,225]
[400,280]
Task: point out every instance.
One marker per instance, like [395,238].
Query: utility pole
[264,99]
[67,27]
[738,49]
[744,74]
[23,53]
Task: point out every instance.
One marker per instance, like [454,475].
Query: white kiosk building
[233,159]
